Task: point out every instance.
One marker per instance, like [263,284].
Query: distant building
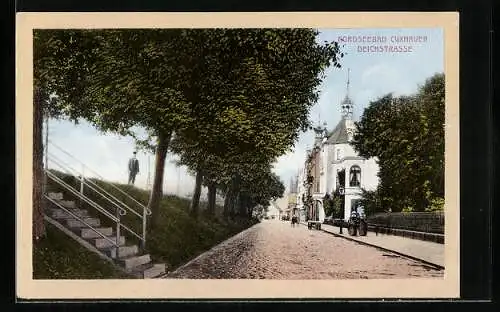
[273,211]
[292,207]
[333,166]
[301,193]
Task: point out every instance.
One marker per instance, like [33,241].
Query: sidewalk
[430,252]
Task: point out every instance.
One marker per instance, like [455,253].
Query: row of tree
[406,134]
[228,102]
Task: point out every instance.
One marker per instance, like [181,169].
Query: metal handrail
[132,232]
[121,211]
[148,211]
[86,199]
[93,185]
[85,181]
[81,220]
[110,195]
[93,204]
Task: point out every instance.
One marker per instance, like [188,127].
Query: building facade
[334,167]
[292,208]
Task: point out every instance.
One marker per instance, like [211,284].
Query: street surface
[273,249]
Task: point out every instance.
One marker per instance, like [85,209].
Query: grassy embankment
[178,239]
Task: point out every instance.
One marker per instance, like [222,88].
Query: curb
[435,265]
[424,236]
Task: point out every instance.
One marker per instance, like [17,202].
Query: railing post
[144,218]
[82,180]
[118,234]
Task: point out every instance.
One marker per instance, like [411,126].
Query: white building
[338,167]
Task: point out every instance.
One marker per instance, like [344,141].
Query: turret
[347,104]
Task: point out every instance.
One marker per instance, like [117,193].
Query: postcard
[294,155]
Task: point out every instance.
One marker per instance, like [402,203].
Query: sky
[372,75]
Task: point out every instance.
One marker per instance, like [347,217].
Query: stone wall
[430,222]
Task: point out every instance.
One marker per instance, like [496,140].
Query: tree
[117,79]
[229,91]
[259,188]
[50,75]
[328,205]
[370,200]
[254,90]
[406,134]
[38,201]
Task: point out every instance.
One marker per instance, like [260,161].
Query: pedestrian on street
[294,220]
[133,169]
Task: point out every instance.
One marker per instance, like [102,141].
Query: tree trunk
[242,203]
[212,192]
[235,204]
[229,199]
[250,209]
[38,174]
[195,202]
[157,189]
[227,203]
[235,196]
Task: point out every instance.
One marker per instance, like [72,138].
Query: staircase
[83,226]
[101,240]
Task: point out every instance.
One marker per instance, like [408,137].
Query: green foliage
[57,256]
[180,238]
[332,204]
[328,204]
[436,204]
[407,209]
[406,135]
[371,202]
[338,207]
[236,99]
[251,103]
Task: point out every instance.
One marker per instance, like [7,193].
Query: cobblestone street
[274,250]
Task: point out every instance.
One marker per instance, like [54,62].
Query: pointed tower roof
[340,133]
[347,104]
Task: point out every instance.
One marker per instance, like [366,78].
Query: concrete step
[87,233]
[73,223]
[124,251]
[149,270]
[102,243]
[61,214]
[135,261]
[56,196]
[67,203]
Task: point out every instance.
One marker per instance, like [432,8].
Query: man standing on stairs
[133,169]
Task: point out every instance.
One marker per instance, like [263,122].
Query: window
[349,135]
[337,153]
[355,176]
